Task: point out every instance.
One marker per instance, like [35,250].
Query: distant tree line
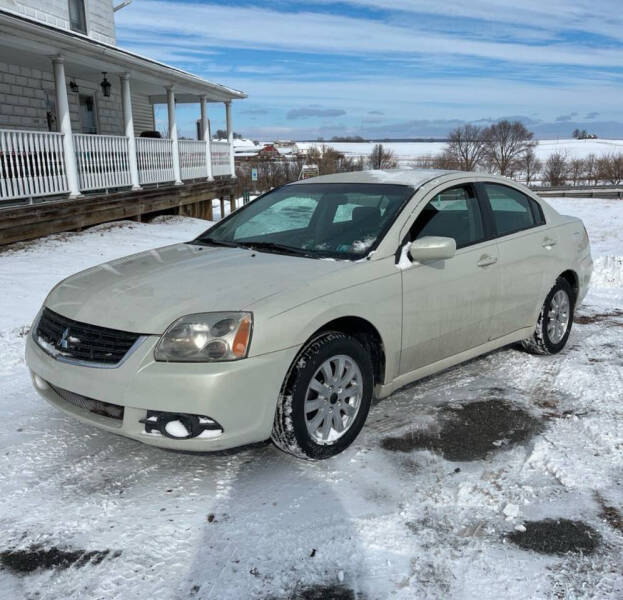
[582,134]
[507,148]
[274,173]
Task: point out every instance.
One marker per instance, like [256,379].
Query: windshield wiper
[212,242]
[272,246]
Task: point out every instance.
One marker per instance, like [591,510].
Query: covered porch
[80,118]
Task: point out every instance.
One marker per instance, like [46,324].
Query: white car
[285,318]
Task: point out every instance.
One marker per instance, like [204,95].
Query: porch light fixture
[73,86]
[105,85]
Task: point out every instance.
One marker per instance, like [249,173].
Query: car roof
[411,177]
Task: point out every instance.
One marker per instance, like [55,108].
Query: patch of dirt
[323,592]
[471,431]
[610,514]
[596,317]
[37,557]
[556,536]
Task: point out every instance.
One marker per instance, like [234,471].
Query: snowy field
[406,152]
[446,494]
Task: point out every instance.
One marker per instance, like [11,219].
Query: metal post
[173,134]
[64,127]
[128,128]
[230,139]
[205,133]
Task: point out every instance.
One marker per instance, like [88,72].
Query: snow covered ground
[406,152]
[421,506]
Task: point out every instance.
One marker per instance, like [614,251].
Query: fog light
[41,384]
[180,426]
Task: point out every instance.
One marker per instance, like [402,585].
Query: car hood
[146,292]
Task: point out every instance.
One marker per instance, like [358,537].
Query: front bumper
[241,395]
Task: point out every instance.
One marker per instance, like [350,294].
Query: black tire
[540,342]
[289,429]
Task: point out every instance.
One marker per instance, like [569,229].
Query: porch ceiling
[32,44]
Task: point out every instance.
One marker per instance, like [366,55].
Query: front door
[88,121]
[448,304]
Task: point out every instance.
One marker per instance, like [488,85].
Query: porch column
[230,139]
[205,131]
[64,127]
[128,128]
[173,134]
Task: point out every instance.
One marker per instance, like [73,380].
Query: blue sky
[393,68]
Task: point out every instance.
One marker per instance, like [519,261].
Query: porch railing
[220,158]
[155,160]
[103,161]
[31,164]
[193,164]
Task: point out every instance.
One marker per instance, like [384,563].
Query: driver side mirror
[432,247]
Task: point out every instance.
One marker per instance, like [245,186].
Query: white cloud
[230,26]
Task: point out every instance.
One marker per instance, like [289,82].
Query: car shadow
[280,531]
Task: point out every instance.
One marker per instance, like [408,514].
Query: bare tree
[610,168]
[555,172]
[591,169]
[380,158]
[466,147]
[505,142]
[576,170]
[530,165]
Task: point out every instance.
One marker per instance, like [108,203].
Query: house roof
[24,39]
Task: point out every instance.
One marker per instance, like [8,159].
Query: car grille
[105,409]
[68,339]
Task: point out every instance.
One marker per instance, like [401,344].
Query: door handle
[486,260]
[549,242]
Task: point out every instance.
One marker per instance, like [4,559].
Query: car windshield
[313,219]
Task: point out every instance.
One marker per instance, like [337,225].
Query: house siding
[99,15]
[26,96]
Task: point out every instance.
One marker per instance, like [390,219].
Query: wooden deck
[28,222]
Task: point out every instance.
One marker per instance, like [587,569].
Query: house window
[77,16]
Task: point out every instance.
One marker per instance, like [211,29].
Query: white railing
[155,160]
[31,164]
[220,158]
[193,163]
[103,161]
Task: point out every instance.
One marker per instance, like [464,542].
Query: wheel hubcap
[558,316]
[333,399]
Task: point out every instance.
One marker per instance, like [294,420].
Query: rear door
[448,304]
[525,246]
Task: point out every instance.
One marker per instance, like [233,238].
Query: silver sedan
[284,319]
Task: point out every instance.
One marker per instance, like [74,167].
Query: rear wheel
[554,323]
[325,399]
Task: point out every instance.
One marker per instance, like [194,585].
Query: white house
[76,111]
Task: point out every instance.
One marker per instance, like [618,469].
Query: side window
[452,213]
[288,214]
[77,16]
[512,210]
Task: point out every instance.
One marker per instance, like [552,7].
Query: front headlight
[206,337]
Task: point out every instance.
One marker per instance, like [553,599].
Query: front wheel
[325,399]
[554,323]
